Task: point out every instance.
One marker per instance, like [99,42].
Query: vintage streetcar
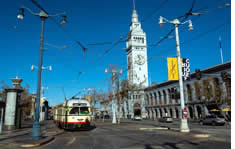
[73,114]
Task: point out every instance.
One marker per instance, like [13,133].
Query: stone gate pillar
[13,95]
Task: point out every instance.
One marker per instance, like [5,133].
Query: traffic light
[224,75]
[198,74]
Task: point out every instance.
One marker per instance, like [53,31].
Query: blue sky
[104,21]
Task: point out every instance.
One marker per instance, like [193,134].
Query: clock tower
[137,53]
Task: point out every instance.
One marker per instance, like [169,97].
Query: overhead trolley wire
[126,35]
[66,32]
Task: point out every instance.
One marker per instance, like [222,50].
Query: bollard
[45,119]
[1,121]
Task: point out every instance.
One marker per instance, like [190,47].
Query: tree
[125,88]
[3,86]
[26,100]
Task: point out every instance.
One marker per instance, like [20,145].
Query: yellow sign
[173,68]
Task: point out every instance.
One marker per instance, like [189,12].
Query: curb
[44,141]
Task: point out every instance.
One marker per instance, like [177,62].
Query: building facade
[211,91]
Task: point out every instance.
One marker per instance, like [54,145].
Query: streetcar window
[74,110]
[84,110]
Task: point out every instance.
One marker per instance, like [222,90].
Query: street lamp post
[36,133]
[114,72]
[184,124]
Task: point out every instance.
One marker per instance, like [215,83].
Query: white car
[137,118]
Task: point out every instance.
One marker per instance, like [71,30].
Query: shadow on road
[81,129]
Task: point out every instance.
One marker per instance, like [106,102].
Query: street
[116,74]
[129,136]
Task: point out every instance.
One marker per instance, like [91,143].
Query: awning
[228,108]
[214,110]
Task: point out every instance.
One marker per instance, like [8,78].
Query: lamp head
[106,70]
[161,22]
[121,71]
[32,68]
[50,68]
[63,21]
[20,14]
[190,25]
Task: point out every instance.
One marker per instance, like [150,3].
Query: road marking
[174,129]
[71,141]
[153,128]
[201,136]
[141,147]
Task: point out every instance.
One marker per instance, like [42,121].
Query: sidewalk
[22,137]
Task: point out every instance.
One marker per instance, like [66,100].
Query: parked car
[106,116]
[137,118]
[212,120]
[166,119]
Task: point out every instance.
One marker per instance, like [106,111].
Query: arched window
[189,92]
[159,98]
[155,98]
[164,96]
[169,95]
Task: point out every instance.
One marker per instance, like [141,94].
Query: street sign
[185,69]
[173,68]
[185,113]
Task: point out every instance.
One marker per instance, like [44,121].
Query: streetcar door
[66,118]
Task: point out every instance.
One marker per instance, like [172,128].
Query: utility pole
[184,124]
[93,103]
[43,15]
[115,75]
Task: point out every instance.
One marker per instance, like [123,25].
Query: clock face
[139,59]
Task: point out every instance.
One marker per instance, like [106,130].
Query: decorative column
[12,111]
[174,112]
[33,106]
[206,112]
[158,113]
[143,110]
[125,109]
[168,112]
[163,112]
[195,111]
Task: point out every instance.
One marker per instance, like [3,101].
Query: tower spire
[134,14]
[134,4]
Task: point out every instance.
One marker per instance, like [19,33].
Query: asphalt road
[129,136]
[221,132]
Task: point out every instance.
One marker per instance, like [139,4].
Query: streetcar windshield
[84,110]
[74,110]
[79,110]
